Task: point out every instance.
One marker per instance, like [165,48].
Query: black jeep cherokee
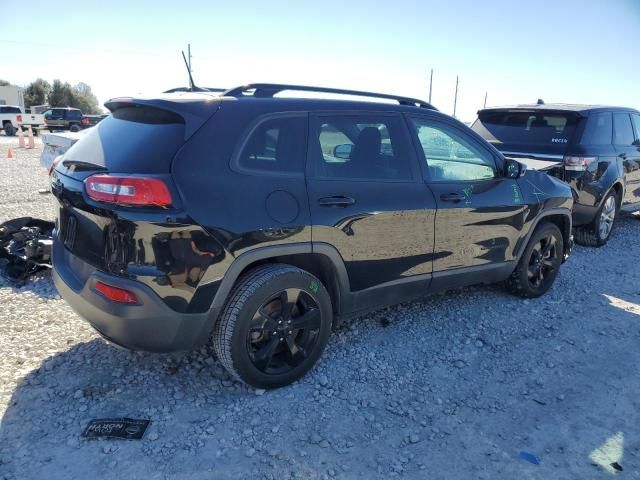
[596,149]
[259,222]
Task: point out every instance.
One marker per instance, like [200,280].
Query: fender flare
[546,213]
[265,253]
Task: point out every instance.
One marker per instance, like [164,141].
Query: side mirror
[513,169]
[343,151]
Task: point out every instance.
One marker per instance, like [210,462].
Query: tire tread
[245,287]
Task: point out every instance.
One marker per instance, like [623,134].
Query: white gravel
[452,387]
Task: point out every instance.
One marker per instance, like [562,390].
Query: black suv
[64,119]
[262,221]
[595,149]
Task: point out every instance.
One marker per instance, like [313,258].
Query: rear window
[132,140]
[10,110]
[526,128]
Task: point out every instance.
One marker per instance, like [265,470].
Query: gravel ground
[452,387]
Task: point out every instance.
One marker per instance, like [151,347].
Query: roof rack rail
[196,89]
[268,90]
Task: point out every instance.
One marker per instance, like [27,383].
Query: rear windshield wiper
[79,165]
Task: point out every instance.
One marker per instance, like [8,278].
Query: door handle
[336,201]
[452,197]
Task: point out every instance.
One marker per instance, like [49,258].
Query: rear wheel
[9,129]
[598,233]
[274,326]
[539,265]
[74,128]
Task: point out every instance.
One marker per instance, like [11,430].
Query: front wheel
[274,326]
[539,265]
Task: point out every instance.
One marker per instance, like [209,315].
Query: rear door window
[370,147]
[276,145]
[526,128]
[622,129]
[598,130]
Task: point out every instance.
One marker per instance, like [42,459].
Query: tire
[255,338]
[599,231]
[538,267]
[9,129]
[74,128]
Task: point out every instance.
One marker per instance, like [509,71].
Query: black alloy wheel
[283,331]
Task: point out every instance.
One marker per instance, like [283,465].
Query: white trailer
[12,95]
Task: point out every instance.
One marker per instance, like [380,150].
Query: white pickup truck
[12,117]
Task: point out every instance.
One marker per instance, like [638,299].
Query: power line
[75,48]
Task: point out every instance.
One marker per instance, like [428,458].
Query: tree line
[59,94]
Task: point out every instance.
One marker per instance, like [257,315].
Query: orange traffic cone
[20,138]
[32,143]
[9,153]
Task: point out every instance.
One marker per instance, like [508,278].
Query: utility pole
[455,99]
[430,85]
[485,100]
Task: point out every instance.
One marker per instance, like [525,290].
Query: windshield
[526,128]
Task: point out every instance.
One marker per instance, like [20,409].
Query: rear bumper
[150,325]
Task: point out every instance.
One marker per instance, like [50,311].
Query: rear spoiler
[194,109]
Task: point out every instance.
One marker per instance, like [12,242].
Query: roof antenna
[192,86]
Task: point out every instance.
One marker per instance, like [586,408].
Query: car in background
[64,119]
[12,117]
[89,121]
[596,149]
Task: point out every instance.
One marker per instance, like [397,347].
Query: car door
[367,200]
[626,140]
[480,213]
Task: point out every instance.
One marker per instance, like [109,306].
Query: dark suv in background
[64,119]
[595,149]
[260,222]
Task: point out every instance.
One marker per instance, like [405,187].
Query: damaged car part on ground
[305,212]
[25,247]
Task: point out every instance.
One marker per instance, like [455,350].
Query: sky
[566,51]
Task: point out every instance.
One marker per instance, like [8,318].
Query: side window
[452,157]
[276,145]
[636,122]
[598,130]
[622,129]
[373,147]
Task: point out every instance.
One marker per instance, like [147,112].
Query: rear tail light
[115,294]
[578,164]
[122,190]
[55,162]
[19,118]
[85,121]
